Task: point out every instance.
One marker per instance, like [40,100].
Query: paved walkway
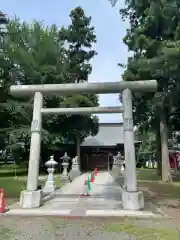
[104,194]
[104,200]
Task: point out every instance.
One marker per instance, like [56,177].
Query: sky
[110,30]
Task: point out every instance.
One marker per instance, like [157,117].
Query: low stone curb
[83,213]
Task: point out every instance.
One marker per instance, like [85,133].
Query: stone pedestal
[65,167]
[64,176]
[50,184]
[65,163]
[31,199]
[75,171]
[132,200]
[118,169]
[114,162]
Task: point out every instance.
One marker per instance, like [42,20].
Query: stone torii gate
[131,198]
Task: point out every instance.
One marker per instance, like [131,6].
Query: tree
[153,37]
[148,142]
[3,21]
[36,54]
[14,113]
[5,81]
[79,38]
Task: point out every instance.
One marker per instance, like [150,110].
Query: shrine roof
[110,134]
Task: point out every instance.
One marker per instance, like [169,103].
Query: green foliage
[153,37]
[79,37]
[148,144]
[36,54]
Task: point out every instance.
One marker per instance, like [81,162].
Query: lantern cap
[51,161]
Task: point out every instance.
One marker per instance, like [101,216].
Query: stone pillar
[32,196]
[131,199]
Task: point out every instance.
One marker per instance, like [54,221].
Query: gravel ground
[52,228]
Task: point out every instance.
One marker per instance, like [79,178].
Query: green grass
[161,189]
[14,182]
[4,231]
[13,186]
[148,178]
[13,172]
[152,175]
[141,233]
[58,181]
[147,174]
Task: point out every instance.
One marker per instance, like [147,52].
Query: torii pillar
[32,196]
[131,198]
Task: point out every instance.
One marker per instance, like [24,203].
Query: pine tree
[79,38]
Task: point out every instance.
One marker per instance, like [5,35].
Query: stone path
[104,200]
[104,194]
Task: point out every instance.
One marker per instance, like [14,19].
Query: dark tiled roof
[110,134]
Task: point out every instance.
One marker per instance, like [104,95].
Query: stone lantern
[114,162]
[118,170]
[75,171]
[117,159]
[50,183]
[65,164]
[120,161]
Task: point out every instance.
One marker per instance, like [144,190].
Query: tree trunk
[166,172]
[78,151]
[158,146]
